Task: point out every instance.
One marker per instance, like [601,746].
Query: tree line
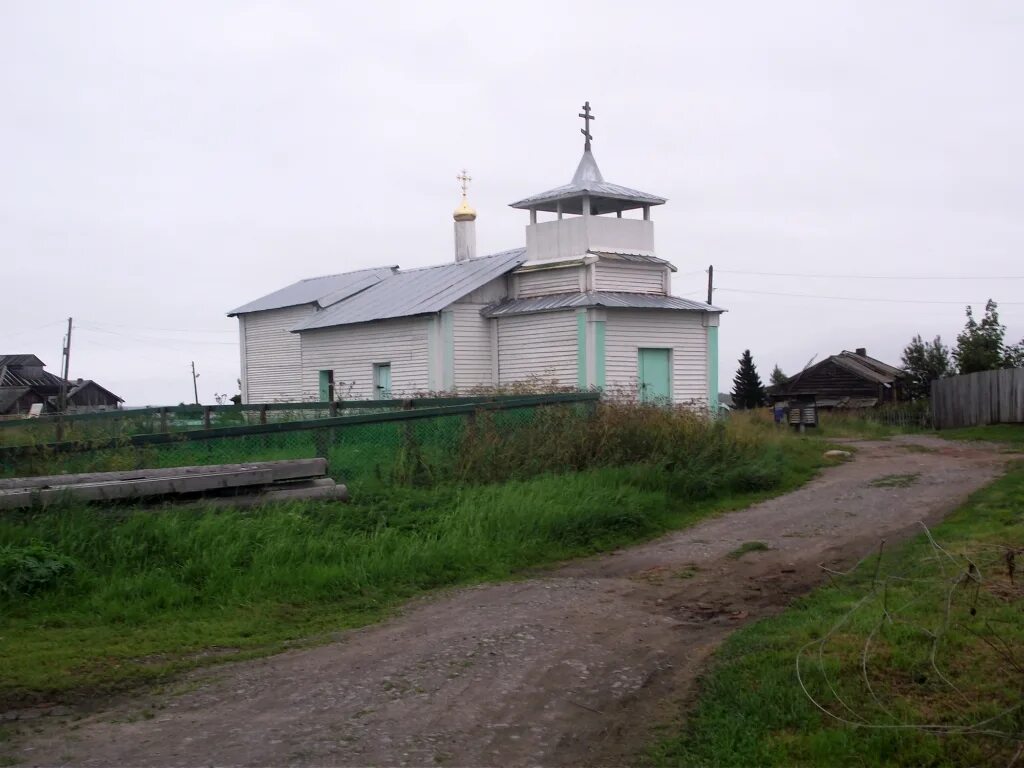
[980,346]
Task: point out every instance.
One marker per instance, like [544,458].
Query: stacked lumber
[232,484]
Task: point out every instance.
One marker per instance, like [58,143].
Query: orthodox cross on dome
[464,180]
[587,117]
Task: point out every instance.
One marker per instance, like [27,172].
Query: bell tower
[583,211]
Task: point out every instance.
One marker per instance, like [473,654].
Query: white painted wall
[575,235]
[351,351]
[473,355]
[544,282]
[538,346]
[627,330]
[272,354]
[630,277]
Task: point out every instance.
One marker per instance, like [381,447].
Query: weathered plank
[977,399]
[286,469]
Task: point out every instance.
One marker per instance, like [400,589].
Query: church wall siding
[541,346]
[626,331]
[545,282]
[271,368]
[631,278]
[472,346]
[352,350]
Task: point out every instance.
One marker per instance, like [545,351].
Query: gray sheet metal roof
[610,299]
[588,181]
[324,291]
[416,291]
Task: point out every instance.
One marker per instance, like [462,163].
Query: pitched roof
[27,376]
[610,299]
[588,182]
[416,291]
[19,360]
[323,291]
[865,367]
[82,384]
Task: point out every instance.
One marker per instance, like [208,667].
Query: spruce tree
[747,389]
[778,377]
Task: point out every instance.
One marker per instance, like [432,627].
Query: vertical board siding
[977,399]
[630,278]
[628,330]
[472,340]
[273,355]
[541,346]
[548,281]
[351,350]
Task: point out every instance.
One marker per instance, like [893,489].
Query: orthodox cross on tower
[587,117]
[463,180]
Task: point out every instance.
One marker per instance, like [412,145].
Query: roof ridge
[506,253]
[350,272]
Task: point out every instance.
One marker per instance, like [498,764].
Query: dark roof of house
[83,384]
[20,360]
[27,376]
[865,367]
[610,299]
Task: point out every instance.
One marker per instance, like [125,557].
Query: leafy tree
[1013,355]
[979,347]
[778,377]
[925,361]
[747,389]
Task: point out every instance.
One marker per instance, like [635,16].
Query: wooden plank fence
[976,399]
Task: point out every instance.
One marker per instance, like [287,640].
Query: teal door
[382,381]
[654,371]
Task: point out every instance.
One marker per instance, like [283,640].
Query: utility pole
[711,282]
[65,365]
[195,387]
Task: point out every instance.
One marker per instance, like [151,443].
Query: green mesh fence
[412,451]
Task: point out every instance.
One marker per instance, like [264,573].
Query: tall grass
[141,592]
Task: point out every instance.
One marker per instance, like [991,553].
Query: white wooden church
[585,304]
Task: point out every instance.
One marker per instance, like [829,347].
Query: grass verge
[96,600]
[912,659]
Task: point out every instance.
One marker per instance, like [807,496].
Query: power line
[151,328]
[861,298]
[873,277]
[160,341]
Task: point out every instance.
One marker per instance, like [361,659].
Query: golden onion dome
[465,211]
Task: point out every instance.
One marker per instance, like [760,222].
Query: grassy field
[916,658]
[93,599]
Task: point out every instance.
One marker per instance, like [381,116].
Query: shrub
[32,568]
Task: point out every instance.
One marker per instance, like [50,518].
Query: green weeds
[154,591]
[913,659]
[748,546]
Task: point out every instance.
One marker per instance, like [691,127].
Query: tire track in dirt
[572,667]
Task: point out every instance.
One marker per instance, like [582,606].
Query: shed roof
[867,368]
[83,384]
[323,291]
[416,291]
[610,299]
[588,181]
[19,360]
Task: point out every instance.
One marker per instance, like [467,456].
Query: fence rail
[364,447]
[976,399]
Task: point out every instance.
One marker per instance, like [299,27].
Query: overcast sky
[162,163]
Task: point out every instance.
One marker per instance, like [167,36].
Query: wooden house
[24,382]
[585,304]
[846,380]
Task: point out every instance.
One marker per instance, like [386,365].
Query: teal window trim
[581,348]
[713,369]
[599,354]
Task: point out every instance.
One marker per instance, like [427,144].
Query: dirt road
[571,667]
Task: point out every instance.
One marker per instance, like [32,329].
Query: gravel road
[573,666]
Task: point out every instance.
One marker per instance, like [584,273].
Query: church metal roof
[323,291]
[610,299]
[405,293]
[605,197]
